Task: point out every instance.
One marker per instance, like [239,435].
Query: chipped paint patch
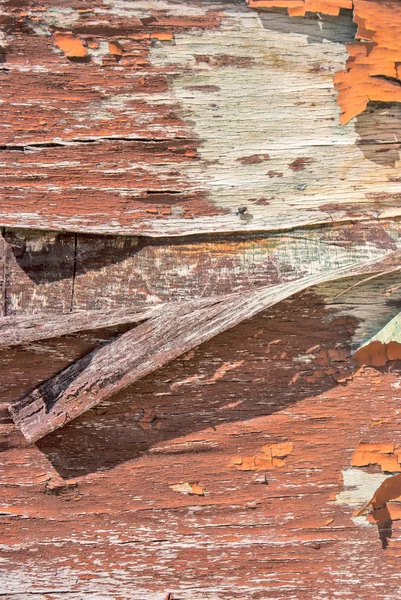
[387,456]
[191,488]
[70,44]
[271,457]
[358,488]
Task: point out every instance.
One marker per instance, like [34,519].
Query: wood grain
[117,273]
[97,495]
[151,140]
[146,348]
[15,331]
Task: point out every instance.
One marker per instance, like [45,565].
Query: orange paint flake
[271,457]
[69,44]
[298,8]
[162,36]
[387,456]
[373,69]
[377,354]
[116,48]
[189,487]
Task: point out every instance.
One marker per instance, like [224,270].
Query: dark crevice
[154,192]
[387,78]
[95,140]
[4,278]
[74,272]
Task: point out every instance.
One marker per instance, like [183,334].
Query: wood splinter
[152,344]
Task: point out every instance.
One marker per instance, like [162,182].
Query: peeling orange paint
[373,69]
[69,44]
[384,455]
[377,354]
[271,457]
[116,48]
[298,8]
[162,36]
[189,487]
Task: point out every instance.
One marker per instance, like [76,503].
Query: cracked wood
[149,346]
[143,134]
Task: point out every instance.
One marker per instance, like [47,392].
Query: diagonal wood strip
[23,330]
[157,341]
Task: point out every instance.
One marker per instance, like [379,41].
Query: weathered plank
[147,347]
[23,330]
[113,273]
[117,518]
[3,258]
[151,140]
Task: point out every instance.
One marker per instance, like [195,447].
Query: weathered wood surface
[47,273]
[372,71]
[160,117]
[163,337]
[264,462]
[102,507]
[22,330]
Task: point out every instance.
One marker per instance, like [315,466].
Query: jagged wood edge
[163,337]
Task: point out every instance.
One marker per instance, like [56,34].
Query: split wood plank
[25,329]
[146,348]
[108,273]
[39,271]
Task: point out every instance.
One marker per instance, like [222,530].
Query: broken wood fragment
[383,347]
[140,351]
[16,330]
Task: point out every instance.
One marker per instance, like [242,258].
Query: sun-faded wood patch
[166,118]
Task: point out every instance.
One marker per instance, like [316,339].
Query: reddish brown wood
[96,496]
[146,348]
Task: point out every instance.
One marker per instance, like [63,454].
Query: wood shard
[70,44]
[146,348]
[15,331]
[383,347]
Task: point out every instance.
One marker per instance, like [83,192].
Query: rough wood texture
[373,72]
[23,330]
[98,501]
[146,348]
[263,461]
[180,113]
[109,273]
